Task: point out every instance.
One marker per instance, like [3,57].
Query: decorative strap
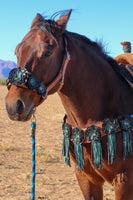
[66,142]
[93,134]
[78,138]
[111,127]
[126,125]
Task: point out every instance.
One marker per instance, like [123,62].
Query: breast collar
[106,127]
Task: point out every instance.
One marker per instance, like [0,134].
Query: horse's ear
[62,21]
[37,18]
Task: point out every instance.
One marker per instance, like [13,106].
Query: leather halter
[59,79]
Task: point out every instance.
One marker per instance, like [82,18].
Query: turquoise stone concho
[32,82]
[78,136]
[93,133]
[18,76]
[41,90]
[125,123]
[110,126]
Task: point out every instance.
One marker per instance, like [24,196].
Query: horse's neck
[92,90]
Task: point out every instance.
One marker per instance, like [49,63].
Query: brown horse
[91,90]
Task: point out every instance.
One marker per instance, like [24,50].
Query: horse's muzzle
[17,111]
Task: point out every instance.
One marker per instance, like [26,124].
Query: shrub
[3,81]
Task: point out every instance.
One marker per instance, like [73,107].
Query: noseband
[21,77]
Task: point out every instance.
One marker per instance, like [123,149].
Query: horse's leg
[89,190]
[123,186]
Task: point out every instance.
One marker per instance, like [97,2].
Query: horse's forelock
[49,26]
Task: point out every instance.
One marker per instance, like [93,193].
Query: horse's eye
[46,54]
[49,51]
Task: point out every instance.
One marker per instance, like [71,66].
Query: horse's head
[39,59]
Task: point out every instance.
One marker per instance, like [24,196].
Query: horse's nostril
[19,107]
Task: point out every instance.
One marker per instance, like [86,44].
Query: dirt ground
[54,179]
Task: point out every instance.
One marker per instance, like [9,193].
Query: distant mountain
[5,68]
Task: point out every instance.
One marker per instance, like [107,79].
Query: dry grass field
[54,180]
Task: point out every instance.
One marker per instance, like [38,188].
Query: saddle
[125,67]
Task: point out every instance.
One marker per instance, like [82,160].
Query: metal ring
[33,118]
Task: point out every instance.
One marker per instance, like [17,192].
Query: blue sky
[107,20]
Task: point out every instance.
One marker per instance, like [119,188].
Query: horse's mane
[84,42]
[50,27]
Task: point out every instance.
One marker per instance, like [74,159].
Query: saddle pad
[127,73]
